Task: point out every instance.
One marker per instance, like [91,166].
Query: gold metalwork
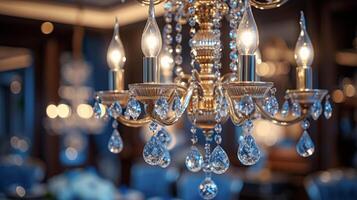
[264,4]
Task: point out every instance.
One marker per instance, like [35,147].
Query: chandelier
[208,97]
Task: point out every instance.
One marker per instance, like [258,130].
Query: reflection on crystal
[194,160]
[219,160]
[218,128]
[97,110]
[166,159]
[327,109]
[248,151]
[285,109]
[176,105]
[296,109]
[164,137]
[305,124]
[161,107]
[115,110]
[115,144]
[245,105]
[222,106]
[305,147]
[316,110]
[153,151]
[133,109]
[208,189]
[271,105]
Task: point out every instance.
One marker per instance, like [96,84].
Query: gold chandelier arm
[282,122]
[236,120]
[134,123]
[185,100]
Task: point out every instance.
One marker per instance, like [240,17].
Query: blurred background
[53,58]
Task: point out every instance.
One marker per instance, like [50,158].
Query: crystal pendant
[194,160]
[161,107]
[222,107]
[176,105]
[218,128]
[115,144]
[245,105]
[285,109]
[296,109]
[219,160]
[208,189]
[166,159]
[305,147]
[248,151]
[97,110]
[327,109]
[133,109]
[164,137]
[271,105]
[316,110]
[154,151]
[115,110]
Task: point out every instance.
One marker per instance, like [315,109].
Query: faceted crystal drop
[176,105]
[97,110]
[115,144]
[218,128]
[248,151]
[161,107]
[327,109]
[133,109]
[305,147]
[115,110]
[219,160]
[285,109]
[274,105]
[208,189]
[194,160]
[245,105]
[222,107]
[166,159]
[316,110]
[296,109]
[153,151]
[164,137]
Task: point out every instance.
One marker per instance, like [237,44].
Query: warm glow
[116,54]
[84,111]
[247,39]
[51,111]
[304,52]
[349,90]
[47,28]
[63,110]
[15,87]
[337,96]
[267,133]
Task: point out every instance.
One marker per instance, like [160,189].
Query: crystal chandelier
[208,97]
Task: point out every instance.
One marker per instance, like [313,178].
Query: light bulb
[247,33]
[115,54]
[304,52]
[151,39]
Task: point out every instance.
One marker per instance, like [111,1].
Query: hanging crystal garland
[192,24]
[178,39]
[327,108]
[305,147]
[235,13]
[218,44]
[248,151]
[167,30]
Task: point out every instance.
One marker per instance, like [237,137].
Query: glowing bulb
[63,110]
[51,111]
[247,33]
[151,41]
[115,54]
[304,52]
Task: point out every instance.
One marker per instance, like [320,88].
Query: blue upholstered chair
[332,185]
[229,186]
[154,181]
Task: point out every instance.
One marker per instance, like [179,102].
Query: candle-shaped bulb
[151,41]
[116,54]
[247,33]
[304,52]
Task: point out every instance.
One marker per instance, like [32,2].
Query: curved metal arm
[236,120]
[282,122]
[134,123]
[184,102]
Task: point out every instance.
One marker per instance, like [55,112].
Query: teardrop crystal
[208,189]
[164,137]
[176,105]
[115,144]
[245,105]
[296,109]
[285,109]
[305,147]
[133,109]
[219,160]
[166,159]
[248,151]
[316,110]
[194,160]
[97,110]
[327,109]
[271,105]
[153,151]
[161,107]
[115,110]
